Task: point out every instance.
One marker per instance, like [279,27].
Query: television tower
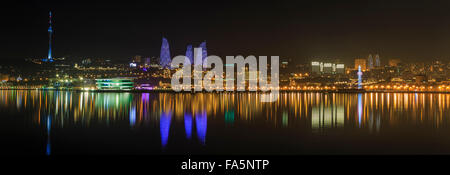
[50,33]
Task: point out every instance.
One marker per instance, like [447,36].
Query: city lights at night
[226,87]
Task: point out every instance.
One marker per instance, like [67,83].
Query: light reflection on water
[316,113]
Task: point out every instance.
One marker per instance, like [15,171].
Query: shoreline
[281,91]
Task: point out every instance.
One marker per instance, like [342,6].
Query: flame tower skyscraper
[190,54]
[370,62]
[377,61]
[204,52]
[164,56]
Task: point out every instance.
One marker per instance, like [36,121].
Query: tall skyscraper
[327,68]
[315,66]
[340,68]
[198,56]
[190,54]
[370,62]
[377,61]
[50,35]
[164,56]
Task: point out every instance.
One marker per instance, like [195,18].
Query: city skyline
[224,87]
[344,31]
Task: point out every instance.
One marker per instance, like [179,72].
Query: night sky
[299,30]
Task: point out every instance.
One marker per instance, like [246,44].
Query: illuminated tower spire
[50,33]
[359,77]
[190,54]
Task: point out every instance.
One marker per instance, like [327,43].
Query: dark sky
[410,30]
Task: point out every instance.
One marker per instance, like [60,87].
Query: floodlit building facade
[114,84]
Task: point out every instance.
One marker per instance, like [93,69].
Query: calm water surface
[64,122]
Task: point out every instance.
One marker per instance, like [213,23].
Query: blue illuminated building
[201,56]
[204,53]
[164,56]
[198,56]
[190,54]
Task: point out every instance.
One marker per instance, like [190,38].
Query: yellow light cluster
[309,88]
[408,88]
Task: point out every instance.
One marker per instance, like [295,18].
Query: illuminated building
[327,67]
[190,54]
[360,63]
[198,57]
[359,77]
[377,61]
[370,62]
[229,76]
[86,61]
[114,84]
[284,64]
[164,56]
[4,77]
[145,87]
[394,62]
[204,53]
[420,78]
[315,66]
[397,79]
[340,68]
[147,63]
